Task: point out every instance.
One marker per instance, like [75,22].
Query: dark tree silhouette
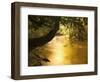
[37,22]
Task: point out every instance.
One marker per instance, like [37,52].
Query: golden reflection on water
[60,51]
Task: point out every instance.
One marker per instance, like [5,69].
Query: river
[61,51]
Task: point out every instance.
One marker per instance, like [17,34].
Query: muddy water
[60,51]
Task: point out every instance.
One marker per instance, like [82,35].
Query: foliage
[41,25]
[77,27]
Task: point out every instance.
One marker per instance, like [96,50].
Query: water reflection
[58,51]
[61,51]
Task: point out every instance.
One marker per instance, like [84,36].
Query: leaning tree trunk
[36,42]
